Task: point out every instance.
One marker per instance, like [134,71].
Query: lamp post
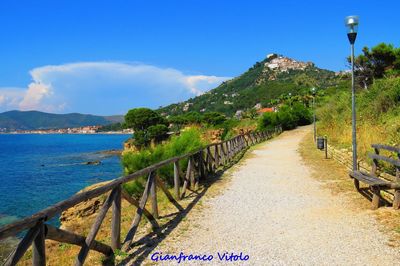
[351,23]
[313,91]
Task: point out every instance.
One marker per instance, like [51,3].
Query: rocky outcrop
[79,212]
[129,146]
[214,135]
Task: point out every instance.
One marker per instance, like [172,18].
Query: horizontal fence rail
[200,164]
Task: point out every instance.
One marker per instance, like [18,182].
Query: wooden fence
[345,158]
[200,164]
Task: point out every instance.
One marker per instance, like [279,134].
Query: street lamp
[351,23]
[313,91]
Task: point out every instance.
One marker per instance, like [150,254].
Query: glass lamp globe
[351,23]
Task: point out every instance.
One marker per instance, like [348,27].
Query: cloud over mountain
[104,88]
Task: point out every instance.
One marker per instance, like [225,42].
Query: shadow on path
[148,243]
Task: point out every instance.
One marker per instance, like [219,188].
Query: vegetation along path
[274,211]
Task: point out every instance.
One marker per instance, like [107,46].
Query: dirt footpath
[276,214]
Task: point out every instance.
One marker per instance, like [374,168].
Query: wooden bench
[376,183]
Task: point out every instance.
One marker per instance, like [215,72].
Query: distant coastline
[65,133]
[75,130]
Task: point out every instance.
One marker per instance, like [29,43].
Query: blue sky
[105,57]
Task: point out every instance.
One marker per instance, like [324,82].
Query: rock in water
[92,163]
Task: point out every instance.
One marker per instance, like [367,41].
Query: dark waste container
[320,143]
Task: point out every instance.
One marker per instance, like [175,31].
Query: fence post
[396,200]
[193,182]
[216,155]
[116,220]
[326,147]
[229,149]
[221,151]
[209,160]
[205,162]
[176,180]
[39,247]
[153,196]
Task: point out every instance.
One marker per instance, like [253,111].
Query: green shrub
[268,121]
[302,114]
[288,117]
[188,141]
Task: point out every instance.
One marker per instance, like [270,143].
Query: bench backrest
[376,157]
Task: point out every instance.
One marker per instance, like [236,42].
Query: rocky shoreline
[113,152]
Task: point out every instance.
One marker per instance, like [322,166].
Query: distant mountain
[30,120]
[264,81]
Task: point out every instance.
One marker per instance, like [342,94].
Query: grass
[378,116]
[334,176]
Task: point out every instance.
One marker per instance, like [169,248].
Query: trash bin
[320,143]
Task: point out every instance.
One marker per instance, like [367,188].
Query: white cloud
[199,84]
[34,96]
[104,88]
[10,98]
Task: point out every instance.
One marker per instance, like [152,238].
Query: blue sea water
[39,170]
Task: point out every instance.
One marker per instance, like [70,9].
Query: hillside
[29,120]
[264,81]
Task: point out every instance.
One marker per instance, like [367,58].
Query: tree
[157,132]
[147,124]
[193,117]
[375,63]
[142,118]
[214,118]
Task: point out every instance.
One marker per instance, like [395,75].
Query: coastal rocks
[84,209]
[113,152]
[129,146]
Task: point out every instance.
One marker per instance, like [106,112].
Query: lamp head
[351,23]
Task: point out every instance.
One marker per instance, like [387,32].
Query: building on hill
[284,64]
[266,110]
[186,107]
[258,106]
[239,114]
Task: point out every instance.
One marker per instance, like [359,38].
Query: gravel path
[273,211]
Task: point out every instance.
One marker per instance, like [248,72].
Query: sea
[37,171]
